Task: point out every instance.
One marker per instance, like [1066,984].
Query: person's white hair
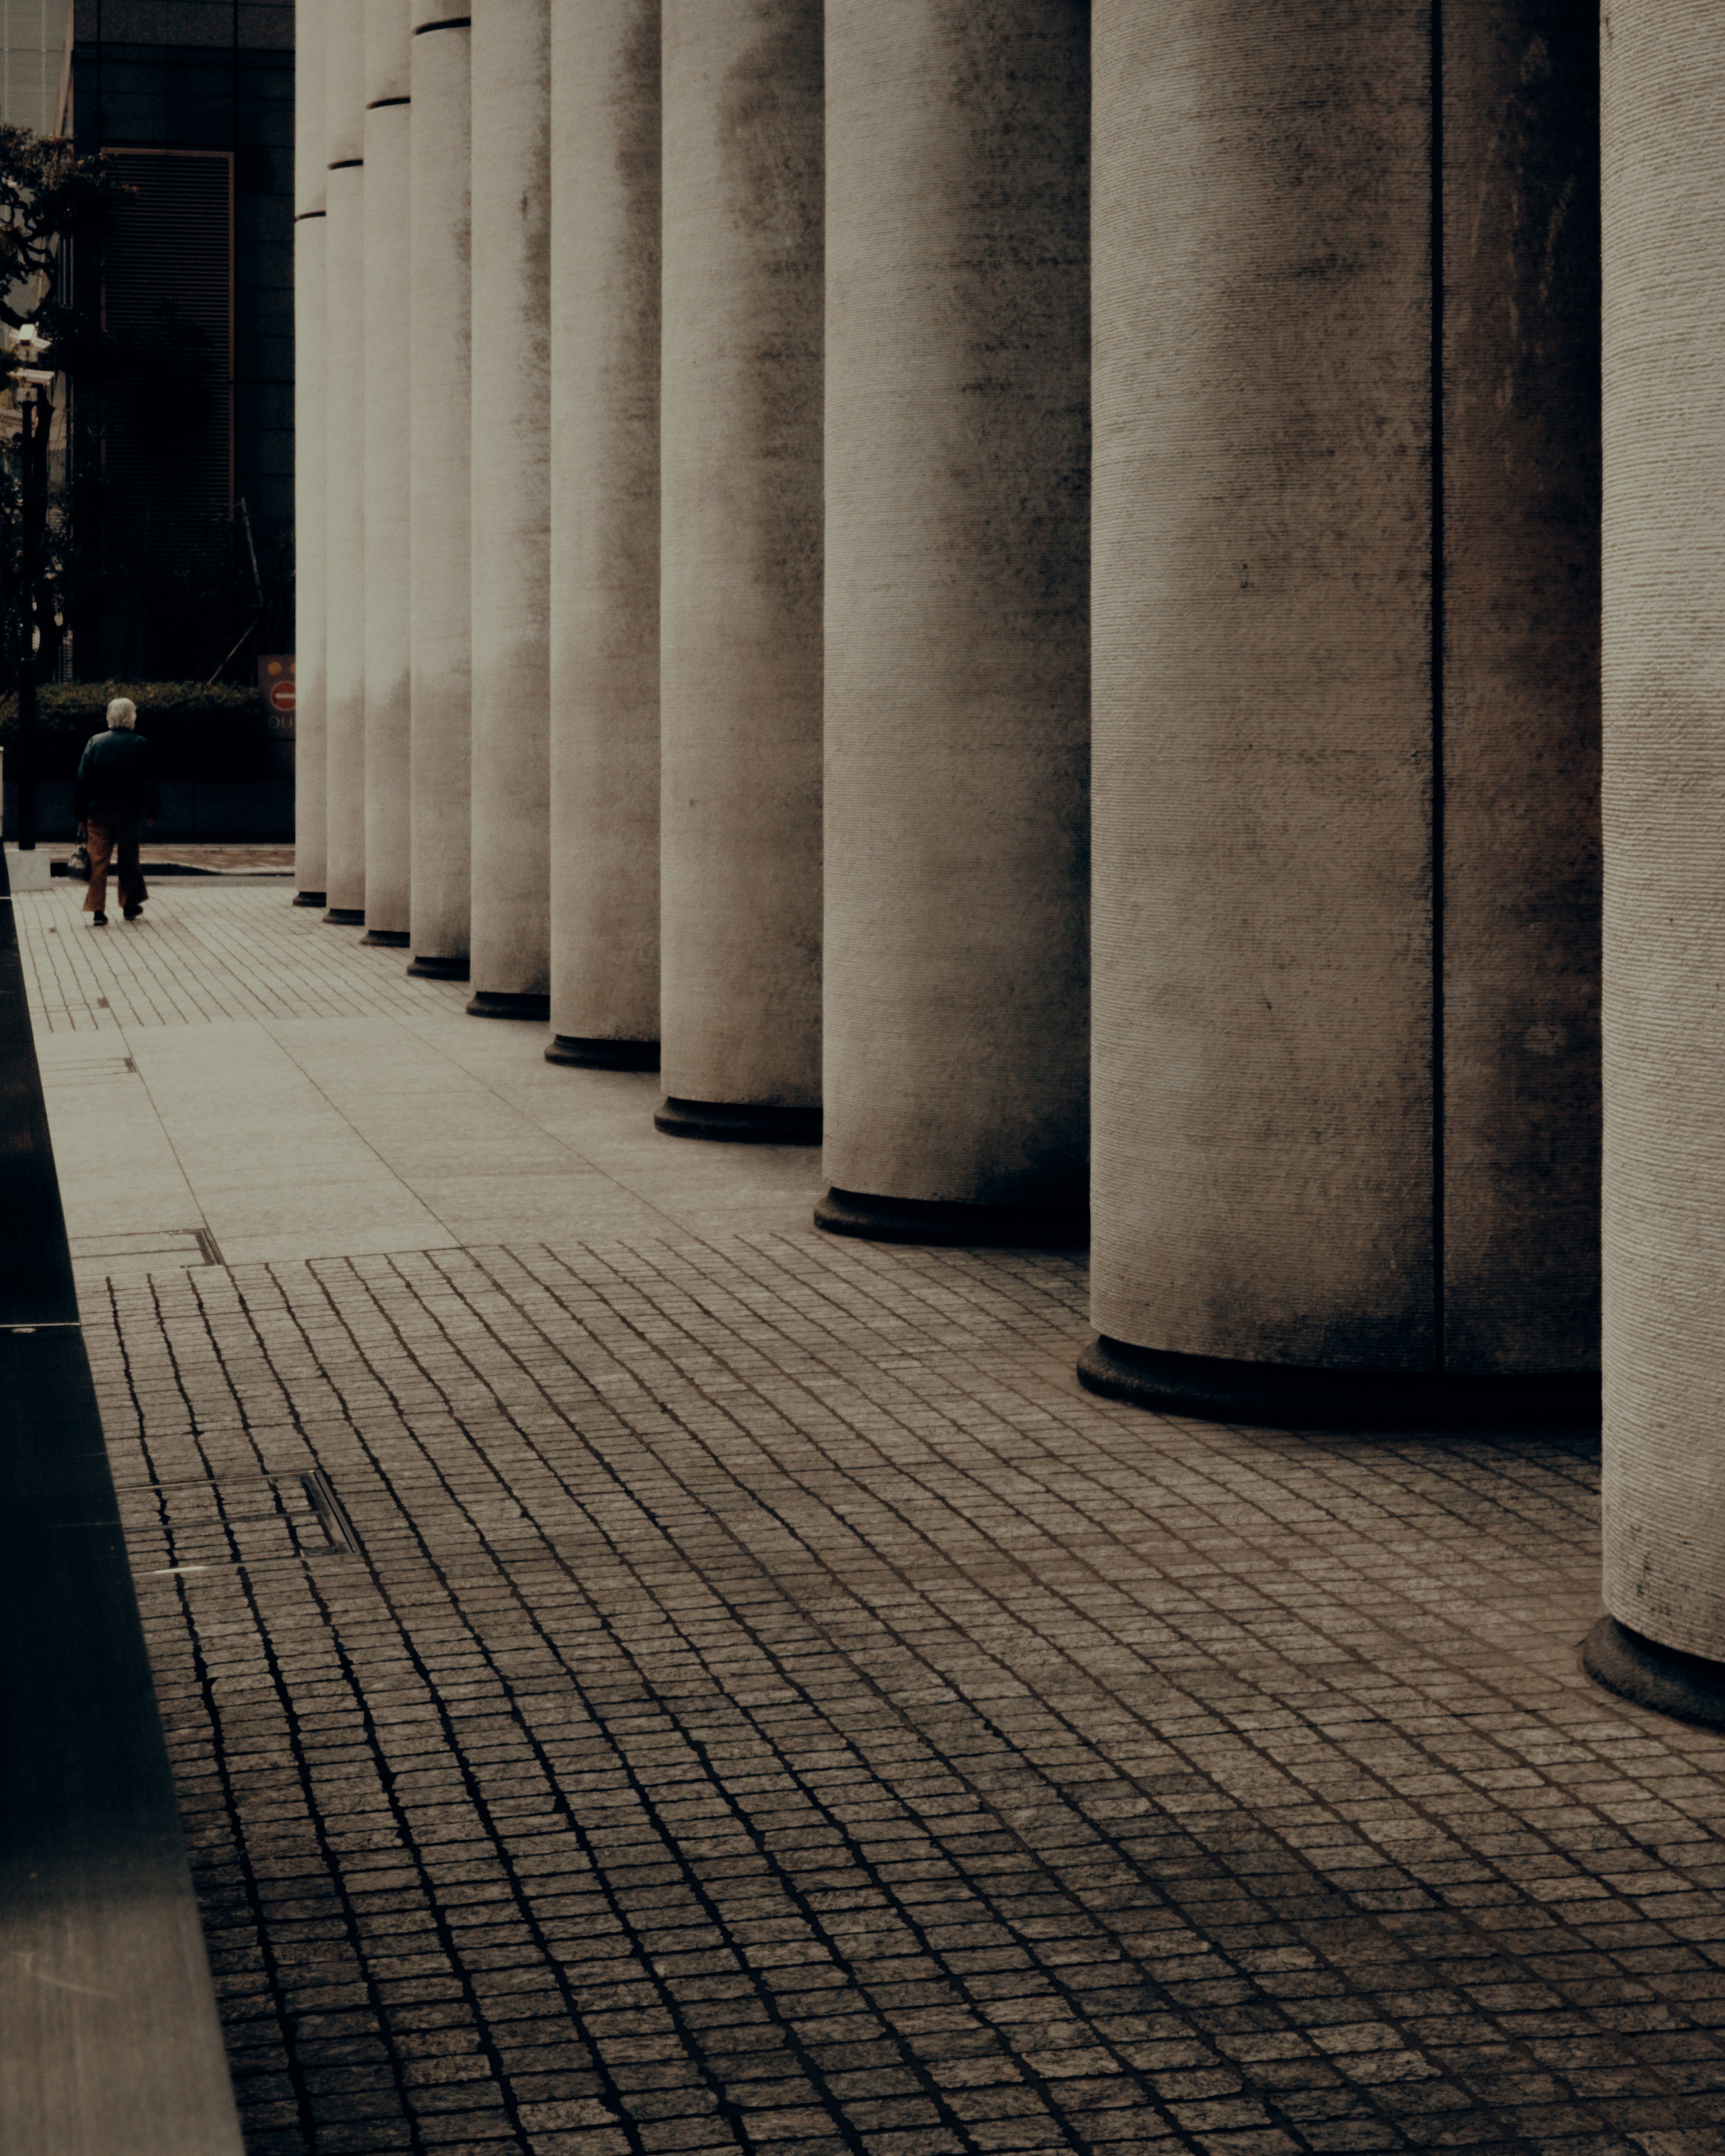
[123,713]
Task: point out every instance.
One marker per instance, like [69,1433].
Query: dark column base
[1688,1687]
[497,1002]
[438,969]
[1278,1397]
[311,898]
[347,917]
[933,1220]
[581,1055]
[396,939]
[744,1123]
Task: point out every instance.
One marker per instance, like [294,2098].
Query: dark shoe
[132,912]
[99,919]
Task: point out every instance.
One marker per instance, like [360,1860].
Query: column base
[1278,1396]
[738,1123]
[1689,1687]
[937,1221]
[438,969]
[347,917]
[396,939]
[579,1054]
[311,898]
[499,1003]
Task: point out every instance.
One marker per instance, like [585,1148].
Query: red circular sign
[281,696]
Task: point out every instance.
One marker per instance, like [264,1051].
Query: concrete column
[604,533]
[1664,198]
[1346,1058]
[511,509]
[740,638]
[388,346]
[311,163]
[440,395]
[344,444]
[958,711]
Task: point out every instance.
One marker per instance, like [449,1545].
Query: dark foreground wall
[109,2037]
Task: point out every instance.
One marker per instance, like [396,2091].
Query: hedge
[197,731]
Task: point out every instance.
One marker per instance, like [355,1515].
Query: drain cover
[200,1524]
[157,1246]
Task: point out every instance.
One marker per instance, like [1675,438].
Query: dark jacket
[118,767]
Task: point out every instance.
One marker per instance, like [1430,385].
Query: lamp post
[35,421]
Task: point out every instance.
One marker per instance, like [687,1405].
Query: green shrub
[197,731]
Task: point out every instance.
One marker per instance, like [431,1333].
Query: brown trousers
[110,829]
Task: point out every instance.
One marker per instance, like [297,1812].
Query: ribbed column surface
[604,531]
[388,344]
[440,398]
[511,506]
[1345,720]
[1664,198]
[957,706]
[310,170]
[344,443]
[740,596]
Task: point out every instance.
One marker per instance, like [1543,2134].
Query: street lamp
[34,398]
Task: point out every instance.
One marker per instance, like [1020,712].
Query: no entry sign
[276,685]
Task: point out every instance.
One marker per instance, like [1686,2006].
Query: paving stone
[772,1707]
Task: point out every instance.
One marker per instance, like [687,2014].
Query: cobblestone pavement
[205,952]
[733,1690]
[768,1706]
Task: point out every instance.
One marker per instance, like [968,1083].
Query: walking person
[113,795]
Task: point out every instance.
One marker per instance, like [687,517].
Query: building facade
[182,473]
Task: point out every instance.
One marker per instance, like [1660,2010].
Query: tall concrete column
[604,533]
[511,509]
[958,711]
[1664,199]
[310,174]
[440,398]
[740,635]
[388,346]
[1345,1059]
[344,468]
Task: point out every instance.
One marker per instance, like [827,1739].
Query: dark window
[167,297]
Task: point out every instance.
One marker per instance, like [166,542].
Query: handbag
[78,866]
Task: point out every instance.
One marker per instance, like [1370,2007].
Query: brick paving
[734,1692]
[770,1707]
[205,952]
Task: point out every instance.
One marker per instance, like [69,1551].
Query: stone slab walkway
[696,1684]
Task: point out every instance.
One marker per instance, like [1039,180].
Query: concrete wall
[605,269]
[1520,566]
[309,746]
[741,562]
[440,390]
[344,460]
[1664,194]
[1345,613]
[388,528]
[511,504]
[957,625]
